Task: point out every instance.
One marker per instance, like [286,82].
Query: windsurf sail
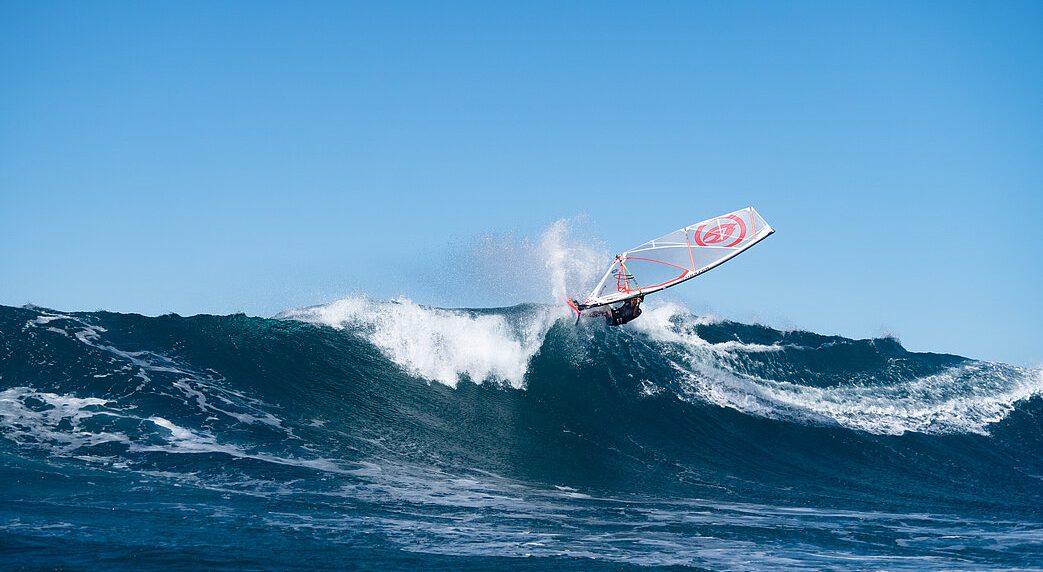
[681,255]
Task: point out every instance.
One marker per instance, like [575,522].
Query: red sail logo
[725,231]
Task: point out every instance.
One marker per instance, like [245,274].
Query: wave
[901,392]
[513,432]
[758,371]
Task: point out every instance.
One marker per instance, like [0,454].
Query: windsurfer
[630,310]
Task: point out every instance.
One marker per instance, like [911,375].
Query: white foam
[40,426]
[966,398]
[438,344]
[944,403]
[55,423]
[47,318]
[182,440]
[180,434]
[195,386]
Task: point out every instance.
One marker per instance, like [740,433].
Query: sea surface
[382,434]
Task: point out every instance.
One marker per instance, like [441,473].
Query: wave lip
[439,344]
[771,381]
[928,405]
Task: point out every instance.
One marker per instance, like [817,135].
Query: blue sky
[233,156]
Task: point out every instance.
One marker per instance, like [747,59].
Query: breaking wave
[385,427]
[769,375]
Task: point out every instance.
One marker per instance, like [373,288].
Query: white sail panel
[678,256]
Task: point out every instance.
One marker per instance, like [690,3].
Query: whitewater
[372,433]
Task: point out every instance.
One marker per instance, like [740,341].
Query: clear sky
[252,156]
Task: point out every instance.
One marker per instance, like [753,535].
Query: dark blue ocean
[370,434]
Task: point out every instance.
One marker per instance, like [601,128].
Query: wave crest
[965,397]
[439,344]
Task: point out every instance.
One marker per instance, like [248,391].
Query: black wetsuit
[623,314]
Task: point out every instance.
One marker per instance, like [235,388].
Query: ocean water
[369,434]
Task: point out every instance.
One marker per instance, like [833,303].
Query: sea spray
[438,344]
[499,269]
